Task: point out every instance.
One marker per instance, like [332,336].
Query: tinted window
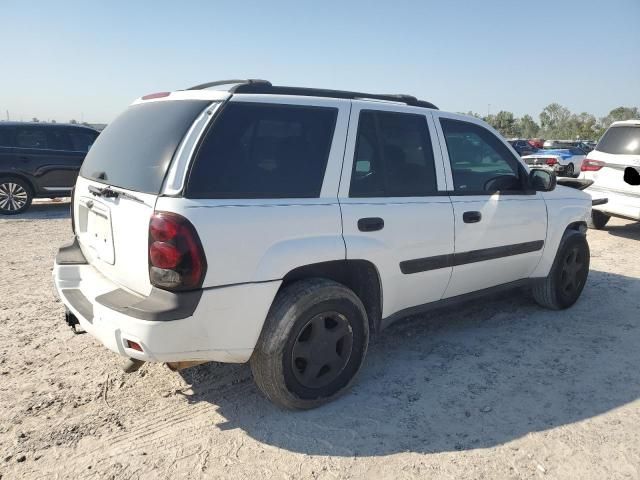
[31,137]
[264,151]
[82,140]
[480,162]
[393,156]
[59,139]
[135,150]
[5,137]
[620,141]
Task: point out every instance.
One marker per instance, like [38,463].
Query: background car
[523,147]
[564,161]
[39,160]
[612,166]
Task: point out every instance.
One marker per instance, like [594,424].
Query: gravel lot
[498,389]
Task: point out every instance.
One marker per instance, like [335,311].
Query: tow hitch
[72,321]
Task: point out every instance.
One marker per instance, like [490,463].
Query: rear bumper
[217,324]
[618,204]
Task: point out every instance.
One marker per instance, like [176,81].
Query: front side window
[480,162]
[393,156]
[31,138]
[264,151]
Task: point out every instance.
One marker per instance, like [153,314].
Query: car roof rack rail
[218,83]
[257,86]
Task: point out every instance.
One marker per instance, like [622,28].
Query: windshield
[135,150]
[623,140]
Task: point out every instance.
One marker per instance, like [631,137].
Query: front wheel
[15,196]
[568,275]
[312,345]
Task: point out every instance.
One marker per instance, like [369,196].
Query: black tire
[298,336]
[570,171]
[15,195]
[568,275]
[597,220]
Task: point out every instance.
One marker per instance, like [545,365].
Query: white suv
[282,226]
[614,168]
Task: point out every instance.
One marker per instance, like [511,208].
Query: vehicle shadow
[43,211]
[472,377]
[629,230]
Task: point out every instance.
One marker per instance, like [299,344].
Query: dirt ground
[499,389]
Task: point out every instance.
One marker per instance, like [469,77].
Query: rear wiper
[107,192]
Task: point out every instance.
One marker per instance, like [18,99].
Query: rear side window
[623,140]
[31,137]
[59,139]
[480,162]
[82,140]
[135,150]
[393,156]
[264,151]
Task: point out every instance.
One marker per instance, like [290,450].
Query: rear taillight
[589,165]
[176,257]
[551,161]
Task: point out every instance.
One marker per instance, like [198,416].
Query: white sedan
[564,161]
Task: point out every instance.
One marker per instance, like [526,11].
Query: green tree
[505,123]
[584,126]
[555,121]
[35,120]
[528,127]
[73,121]
[618,114]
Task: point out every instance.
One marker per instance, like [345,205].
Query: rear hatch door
[119,183]
[619,149]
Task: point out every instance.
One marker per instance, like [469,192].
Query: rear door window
[623,140]
[135,150]
[59,139]
[264,151]
[31,137]
[393,156]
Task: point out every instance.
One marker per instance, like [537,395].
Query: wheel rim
[572,275]
[570,169]
[13,196]
[322,349]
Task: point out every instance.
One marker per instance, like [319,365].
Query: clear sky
[89,59]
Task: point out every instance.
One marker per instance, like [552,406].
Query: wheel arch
[361,276]
[20,176]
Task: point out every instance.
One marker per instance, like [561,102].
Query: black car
[39,160]
[523,147]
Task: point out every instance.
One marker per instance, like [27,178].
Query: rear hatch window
[623,140]
[135,150]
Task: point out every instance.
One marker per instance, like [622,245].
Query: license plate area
[94,229]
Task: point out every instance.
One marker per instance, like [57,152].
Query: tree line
[557,122]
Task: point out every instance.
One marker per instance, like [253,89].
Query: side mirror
[542,180]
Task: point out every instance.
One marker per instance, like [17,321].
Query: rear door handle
[471,217]
[370,224]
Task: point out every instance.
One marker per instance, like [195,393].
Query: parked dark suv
[39,160]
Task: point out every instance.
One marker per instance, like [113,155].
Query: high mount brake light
[176,257]
[156,95]
[590,165]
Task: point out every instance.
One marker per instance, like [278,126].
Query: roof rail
[217,83]
[265,87]
[321,92]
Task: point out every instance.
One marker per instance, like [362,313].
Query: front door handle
[471,217]
[370,224]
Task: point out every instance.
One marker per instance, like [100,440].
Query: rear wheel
[570,170]
[312,345]
[568,275]
[15,196]
[597,220]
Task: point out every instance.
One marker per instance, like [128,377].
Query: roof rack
[265,87]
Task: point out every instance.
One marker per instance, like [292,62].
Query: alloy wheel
[13,196]
[573,273]
[322,349]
